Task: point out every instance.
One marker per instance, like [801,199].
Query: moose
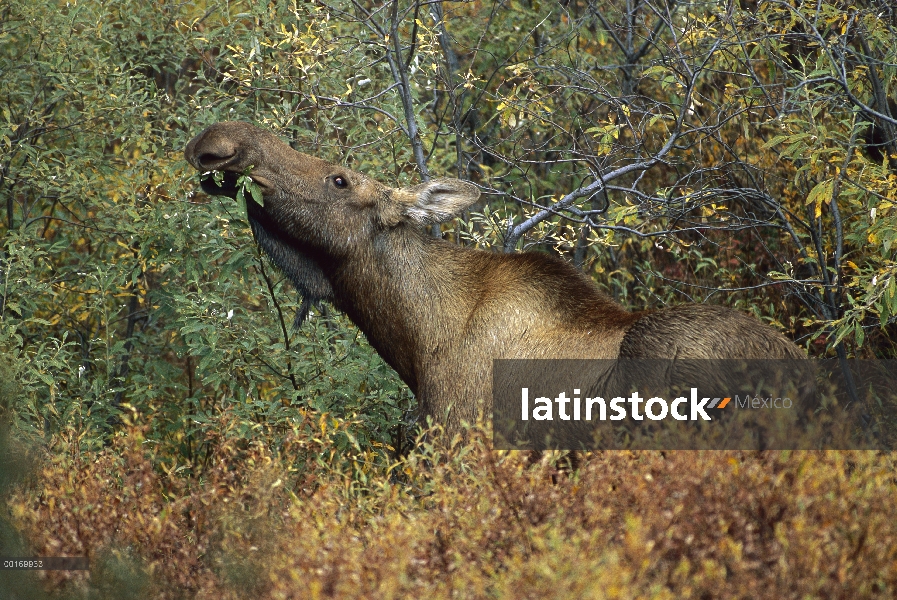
[439,313]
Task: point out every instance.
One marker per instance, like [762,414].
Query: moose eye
[340,182]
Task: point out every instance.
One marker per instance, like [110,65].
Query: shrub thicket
[463,521]
[193,444]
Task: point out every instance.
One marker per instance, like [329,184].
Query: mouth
[225,183]
[227,186]
[264,226]
[234,185]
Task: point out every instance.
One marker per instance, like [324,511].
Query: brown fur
[438,313]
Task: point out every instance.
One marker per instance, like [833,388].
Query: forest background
[740,153]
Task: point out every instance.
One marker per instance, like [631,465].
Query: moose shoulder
[438,313]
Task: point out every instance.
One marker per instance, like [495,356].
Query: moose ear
[437,200]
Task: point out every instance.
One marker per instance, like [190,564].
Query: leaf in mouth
[244,184]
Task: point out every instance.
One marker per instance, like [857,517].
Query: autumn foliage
[162,416]
[462,521]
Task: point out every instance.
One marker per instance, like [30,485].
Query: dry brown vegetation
[462,522]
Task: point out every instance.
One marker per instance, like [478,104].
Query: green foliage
[124,292]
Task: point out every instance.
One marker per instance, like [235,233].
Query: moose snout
[211,151]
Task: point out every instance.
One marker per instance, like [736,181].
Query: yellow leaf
[819,192]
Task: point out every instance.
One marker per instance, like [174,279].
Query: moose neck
[409,293]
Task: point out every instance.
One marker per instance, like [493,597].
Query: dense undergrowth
[453,521]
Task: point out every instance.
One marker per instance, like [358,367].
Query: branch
[124,367]
[840,69]
[514,233]
[400,76]
[280,319]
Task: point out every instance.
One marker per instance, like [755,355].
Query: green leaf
[821,192]
[256,193]
[775,141]
[884,312]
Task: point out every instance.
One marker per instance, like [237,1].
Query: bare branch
[400,76]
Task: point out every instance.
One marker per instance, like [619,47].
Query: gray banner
[694,404]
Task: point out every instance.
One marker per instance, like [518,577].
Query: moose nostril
[212,160]
[210,157]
